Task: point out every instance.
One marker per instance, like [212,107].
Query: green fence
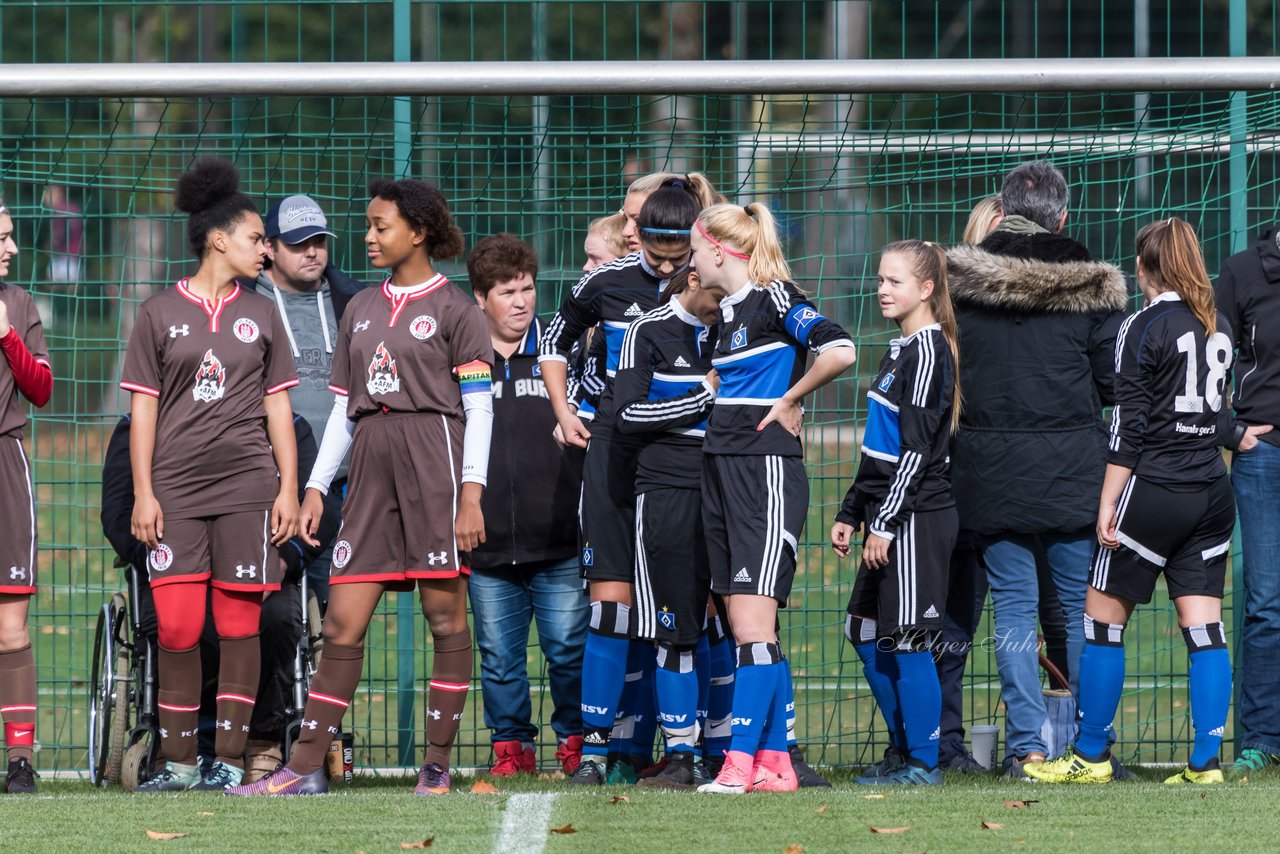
[845,173]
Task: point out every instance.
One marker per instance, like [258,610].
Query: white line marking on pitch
[524,824]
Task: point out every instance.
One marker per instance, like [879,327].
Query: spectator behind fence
[1038,319]
[527,568]
[1248,294]
[66,236]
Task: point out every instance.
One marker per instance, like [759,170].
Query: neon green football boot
[1070,768]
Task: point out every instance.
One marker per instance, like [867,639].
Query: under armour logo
[246,571]
[223,725]
[361,326]
[434,714]
[17,572]
[311,724]
[434,558]
[175,331]
[164,733]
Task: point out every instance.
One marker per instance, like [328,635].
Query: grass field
[380,815]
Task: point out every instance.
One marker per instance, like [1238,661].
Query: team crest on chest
[211,379]
[423,327]
[885,382]
[245,330]
[383,376]
[739,339]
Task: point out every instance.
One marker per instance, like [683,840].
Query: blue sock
[879,669]
[645,709]
[920,703]
[1101,682]
[722,668]
[702,668]
[604,659]
[778,727]
[1210,674]
[754,686]
[676,680]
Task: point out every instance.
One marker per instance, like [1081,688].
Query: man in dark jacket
[1038,319]
[528,564]
[1248,295]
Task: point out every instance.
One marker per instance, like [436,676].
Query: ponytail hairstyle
[609,229]
[748,232]
[929,263]
[697,183]
[668,213]
[209,193]
[424,208]
[1170,254]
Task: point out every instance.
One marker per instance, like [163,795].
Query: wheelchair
[124,727]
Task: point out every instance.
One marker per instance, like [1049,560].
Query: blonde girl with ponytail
[755,490]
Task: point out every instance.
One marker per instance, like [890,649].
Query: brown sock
[178,703]
[237,686]
[331,691]
[18,690]
[447,694]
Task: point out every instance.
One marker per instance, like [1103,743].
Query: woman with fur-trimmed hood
[1038,318]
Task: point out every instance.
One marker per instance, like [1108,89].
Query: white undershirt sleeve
[478,408]
[333,447]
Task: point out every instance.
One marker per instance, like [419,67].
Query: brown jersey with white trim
[398,352]
[25,320]
[210,364]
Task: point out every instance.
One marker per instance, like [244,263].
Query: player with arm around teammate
[902,495]
[414,404]
[24,372]
[755,491]
[208,366]
[1166,506]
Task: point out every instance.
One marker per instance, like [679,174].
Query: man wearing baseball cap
[311,295]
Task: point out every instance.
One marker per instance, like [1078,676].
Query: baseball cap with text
[295,219]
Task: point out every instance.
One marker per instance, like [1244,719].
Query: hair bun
[208,182]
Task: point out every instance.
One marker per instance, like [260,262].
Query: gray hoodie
[313,331]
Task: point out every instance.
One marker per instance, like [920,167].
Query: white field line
[524,824]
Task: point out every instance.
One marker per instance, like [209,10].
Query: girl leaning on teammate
[25,371]
[660,392]
[1166,506]
[214,492]
[902,494]
[755,493]
[414,405]
[614,295]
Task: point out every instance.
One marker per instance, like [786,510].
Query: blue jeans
[503,602]
[1011,569]
[1255,476]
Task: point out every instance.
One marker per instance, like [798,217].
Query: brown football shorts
[17,519]
[232,551]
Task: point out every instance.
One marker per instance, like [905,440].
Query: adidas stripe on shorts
[1184,535]
[672,578]
[753,511]
[911,591]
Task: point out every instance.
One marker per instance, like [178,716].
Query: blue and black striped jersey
[906,459]
[759,354]
[1171,414]
[660,391]
[612,295]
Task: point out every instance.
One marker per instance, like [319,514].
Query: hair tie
[671,232]
[1169,222]
[678,182]
[747,210]
[3,209]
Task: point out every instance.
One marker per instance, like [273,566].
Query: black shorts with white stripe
[606,514]
[753,510]
[672,576]
[1185,535]
[911,591]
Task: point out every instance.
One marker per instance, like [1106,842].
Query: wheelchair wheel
[139,761]
[109,698]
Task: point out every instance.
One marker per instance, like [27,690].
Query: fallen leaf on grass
[160,837]
[822,809]
[890,829]
[874,797]
[1204,795]
[568,828]
[426,843]
[204,813]
[483,787]
[793,848]
[1019,805]
[991,825]
[554,775]
[620,799]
